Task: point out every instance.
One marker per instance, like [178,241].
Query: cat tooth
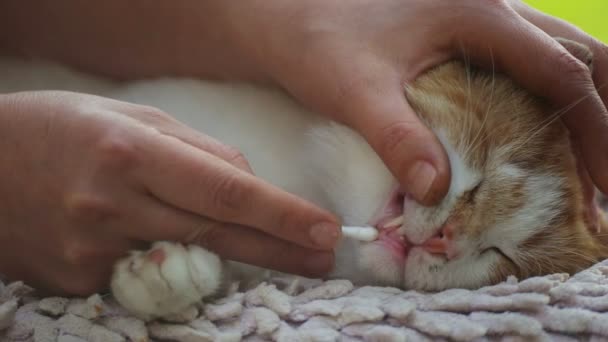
[366,234]
[397,221]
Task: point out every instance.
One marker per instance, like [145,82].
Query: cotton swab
[366,234]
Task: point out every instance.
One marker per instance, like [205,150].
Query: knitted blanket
[553,308]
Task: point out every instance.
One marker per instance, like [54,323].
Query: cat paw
[165,280]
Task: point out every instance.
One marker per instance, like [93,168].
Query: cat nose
[442,242]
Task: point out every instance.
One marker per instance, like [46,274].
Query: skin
[102,184]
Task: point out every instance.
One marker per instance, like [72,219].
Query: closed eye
[471,194]
[499,252]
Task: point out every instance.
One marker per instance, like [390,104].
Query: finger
[208,144]
[249,246]
[590,205]
[96,248]
[542,65]
[556,27]
[198,182]
[378,109]
[169,126]
[151,220]
[55,280]
[77,280]
[86,265]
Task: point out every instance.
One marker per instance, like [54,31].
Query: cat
[515,206]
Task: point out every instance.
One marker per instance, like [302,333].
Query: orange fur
[499,123]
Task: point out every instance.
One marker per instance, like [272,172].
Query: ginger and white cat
[515,204]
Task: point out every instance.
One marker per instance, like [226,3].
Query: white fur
[543,202]
[150,290]
[305,154]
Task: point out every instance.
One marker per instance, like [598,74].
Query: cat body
[515,204]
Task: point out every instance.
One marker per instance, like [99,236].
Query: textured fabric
[550,308]
[553,308]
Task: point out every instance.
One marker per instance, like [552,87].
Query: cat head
[515,206]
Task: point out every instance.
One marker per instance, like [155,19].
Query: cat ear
[578,50]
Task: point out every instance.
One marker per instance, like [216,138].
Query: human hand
[352,59]
[586,121]
[86,179]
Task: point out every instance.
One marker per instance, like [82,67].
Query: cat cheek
[501,270]
[380,264]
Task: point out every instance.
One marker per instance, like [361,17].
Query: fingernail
[421,177]
[319,264]
[324,235]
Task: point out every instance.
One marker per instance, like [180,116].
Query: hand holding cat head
[352,60]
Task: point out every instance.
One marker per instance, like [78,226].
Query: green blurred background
[590,15]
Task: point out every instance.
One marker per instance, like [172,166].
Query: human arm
[348,60]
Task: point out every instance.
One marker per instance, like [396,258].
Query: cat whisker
[474,142]
[558,114]
[547,122]
[548,258]
[527,258]
[468,121]
[540,258]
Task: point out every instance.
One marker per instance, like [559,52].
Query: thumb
[380,112]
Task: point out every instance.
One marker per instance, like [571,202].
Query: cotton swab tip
[366,234]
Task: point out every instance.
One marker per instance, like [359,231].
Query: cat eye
[473,192]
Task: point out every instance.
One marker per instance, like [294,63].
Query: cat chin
[367,263]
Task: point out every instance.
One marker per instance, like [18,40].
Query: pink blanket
[554,307]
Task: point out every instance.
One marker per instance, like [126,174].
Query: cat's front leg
[165,280]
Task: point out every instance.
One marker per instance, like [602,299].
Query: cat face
[514,206]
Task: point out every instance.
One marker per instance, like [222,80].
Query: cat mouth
[391,210]
[388,220]
[394,242]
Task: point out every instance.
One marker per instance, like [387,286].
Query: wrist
[259,36]
[223,40]
[267,34]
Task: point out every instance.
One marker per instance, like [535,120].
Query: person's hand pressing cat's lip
[581,95]
[351,60]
